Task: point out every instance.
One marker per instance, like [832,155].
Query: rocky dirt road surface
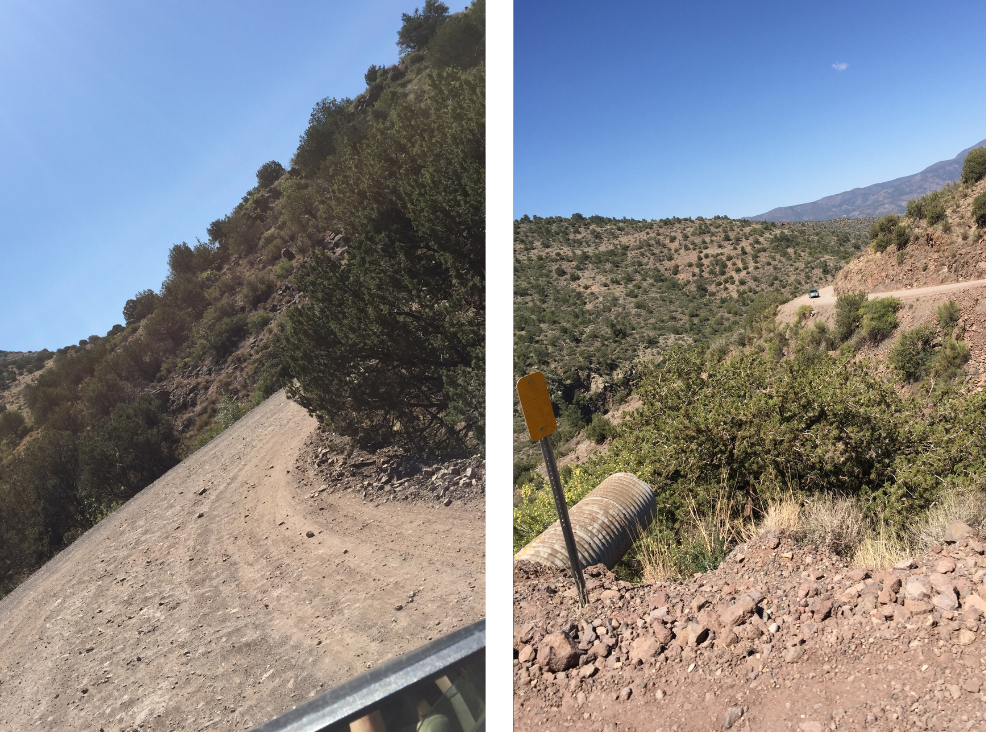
[779,637]
[827,296]
[225,593]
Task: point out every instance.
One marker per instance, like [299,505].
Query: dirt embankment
[779,637]
[225,593]
[919,306]
[936,255]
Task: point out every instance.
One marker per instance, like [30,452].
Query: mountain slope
[338,276]
[202,602]
[878,199]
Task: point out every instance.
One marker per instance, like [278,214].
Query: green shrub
[13,426]
[389,347]
[949,360]
[599,429]
[948,315]
[888,231]
[229,412]
[979,210]
[257,321]
[204,437]
[419,28]
[935,211]
[128,451]
[222,336]
[879,319]
[726,439]
[848,315]
[257,288]
[269,173]
[911,354]
[140,306]
[974,166]
[460,41]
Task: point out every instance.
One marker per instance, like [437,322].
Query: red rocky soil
[779,637]
[230,590]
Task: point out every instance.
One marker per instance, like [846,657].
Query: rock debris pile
[389,474]
[778,637]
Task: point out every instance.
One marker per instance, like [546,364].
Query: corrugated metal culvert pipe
[605,523]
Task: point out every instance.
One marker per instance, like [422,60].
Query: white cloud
[840,66]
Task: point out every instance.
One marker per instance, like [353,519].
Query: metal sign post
[540,418]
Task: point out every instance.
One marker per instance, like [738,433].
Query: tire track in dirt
[234,613]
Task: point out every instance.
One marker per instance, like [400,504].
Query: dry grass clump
[657,559]
[783,515]
[835,523]
[880,550]
[967,506]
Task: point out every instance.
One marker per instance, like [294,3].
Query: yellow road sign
[534,400]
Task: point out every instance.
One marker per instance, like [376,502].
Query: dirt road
[826,296]
[202,604]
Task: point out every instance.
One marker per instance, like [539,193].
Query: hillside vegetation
[594,298]
[868,428]
[937,241]
[355,277]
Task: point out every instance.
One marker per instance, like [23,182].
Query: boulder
[662,634]
[965,637]
[645,650]
[945,565]
[917,607]
[889,580]
[738,611]
[793,653]
[958,530]
[974,601]
[942,583]
[916,589]
[557,653]
[732,716]
[695,634]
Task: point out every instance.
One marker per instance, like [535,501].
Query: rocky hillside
[952,249]
[878,199]
[780,636]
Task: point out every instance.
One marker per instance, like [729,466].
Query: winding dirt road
[826,295]
[202,604]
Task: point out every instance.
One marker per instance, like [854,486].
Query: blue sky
[655,109]
[128,127]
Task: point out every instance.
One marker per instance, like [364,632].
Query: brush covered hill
[595,297]
[355,278]
[872,403]
[939,243]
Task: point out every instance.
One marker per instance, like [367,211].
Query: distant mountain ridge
[878,199]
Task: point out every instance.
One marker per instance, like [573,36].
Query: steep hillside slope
[878,199]
[951,250]
[355,278]
[225,593]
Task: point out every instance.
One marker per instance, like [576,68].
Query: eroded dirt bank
[203,603]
